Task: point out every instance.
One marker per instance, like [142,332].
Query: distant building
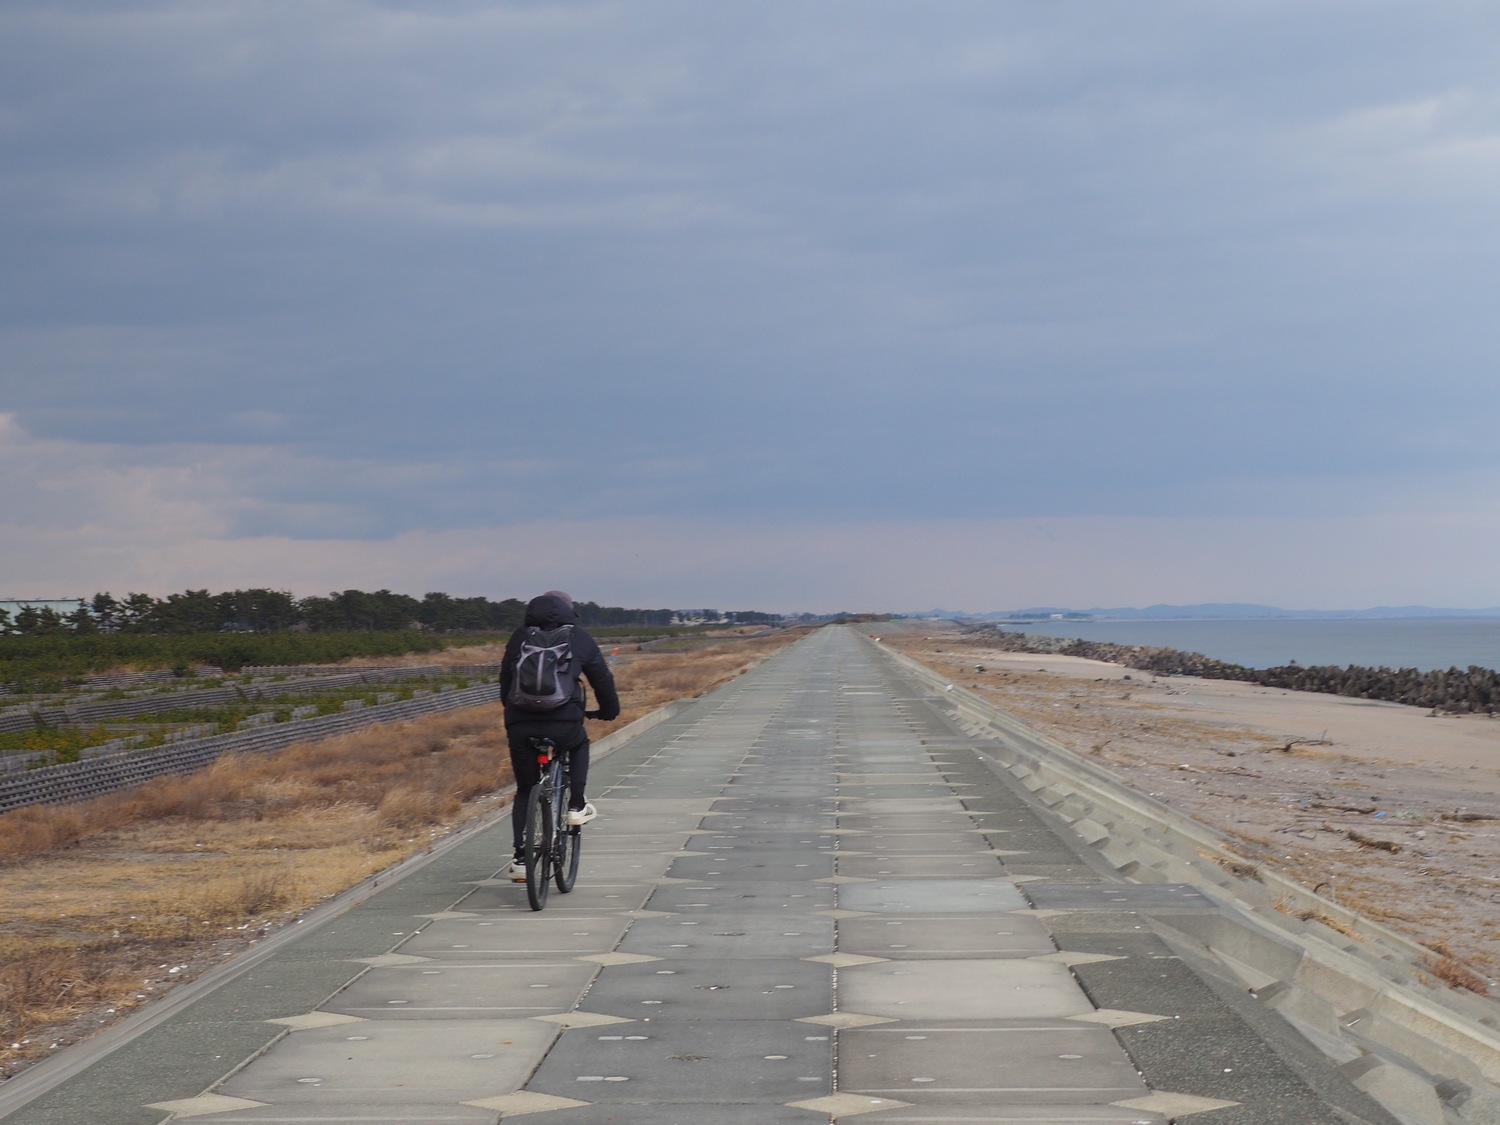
[60,606]
[697,617]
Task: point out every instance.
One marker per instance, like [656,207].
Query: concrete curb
[1361,993]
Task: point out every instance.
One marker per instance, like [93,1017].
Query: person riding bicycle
[547,615]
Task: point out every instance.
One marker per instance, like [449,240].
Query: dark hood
[548,612]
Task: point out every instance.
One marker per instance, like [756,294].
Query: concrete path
[807,898]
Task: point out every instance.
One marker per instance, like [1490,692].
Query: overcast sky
[782,305]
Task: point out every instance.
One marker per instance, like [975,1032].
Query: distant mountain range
[1222,610]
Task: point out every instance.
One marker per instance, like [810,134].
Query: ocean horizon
[1424,643]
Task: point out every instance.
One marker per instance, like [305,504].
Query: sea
[1422,643]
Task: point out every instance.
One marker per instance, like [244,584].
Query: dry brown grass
[48,985]
[111,901]
[1321,917]
[1453,972]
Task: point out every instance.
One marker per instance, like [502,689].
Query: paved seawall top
[808,897]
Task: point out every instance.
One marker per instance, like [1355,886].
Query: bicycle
[551,844]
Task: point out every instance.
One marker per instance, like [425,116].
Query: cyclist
[562,724]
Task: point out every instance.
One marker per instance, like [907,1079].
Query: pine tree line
[271,611]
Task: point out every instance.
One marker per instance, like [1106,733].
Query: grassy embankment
[181,716]
[47,670]
[50,663]
[53,663]
[112,900]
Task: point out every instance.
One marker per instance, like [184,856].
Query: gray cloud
[421,266]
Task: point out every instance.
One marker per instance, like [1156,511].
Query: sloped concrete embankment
[1363,994]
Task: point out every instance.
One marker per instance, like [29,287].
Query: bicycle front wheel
[540,832]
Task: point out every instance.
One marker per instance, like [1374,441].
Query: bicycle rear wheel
[540,832]
[565,843]
[566,874]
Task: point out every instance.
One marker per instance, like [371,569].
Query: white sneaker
[583,815]
[518,871]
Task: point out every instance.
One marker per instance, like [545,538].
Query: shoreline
[1393,808]
[1461,691]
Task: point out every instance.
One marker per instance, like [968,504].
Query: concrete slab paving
[586,896]
[742,894]
[739,1061]
[453,989]
[373,1063]
[545,936]
[963,936]
[685,1113]
[958,828]
[696,989]
[784,820]
[933,896]
[345,1113]
[919,814]
[882,840]
[608,865]
[759,934]
[680,813]
[971,989]
[805,900]
[647,848]
[947,866]
[709,842]
[896,791]
[1021,1115]
[1156,898]
[1035,1062]
[762,865]
[1022,867]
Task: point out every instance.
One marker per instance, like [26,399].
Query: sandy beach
[1389,810]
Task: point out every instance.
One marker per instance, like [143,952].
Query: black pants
[570,739]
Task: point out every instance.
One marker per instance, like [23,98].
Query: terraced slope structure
[72,748]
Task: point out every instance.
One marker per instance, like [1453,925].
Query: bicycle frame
[551,845]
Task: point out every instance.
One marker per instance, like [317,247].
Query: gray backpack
[546,669]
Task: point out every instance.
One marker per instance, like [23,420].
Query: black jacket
[548,613]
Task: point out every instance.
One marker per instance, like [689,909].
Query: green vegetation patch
[42,664]
[59,743]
